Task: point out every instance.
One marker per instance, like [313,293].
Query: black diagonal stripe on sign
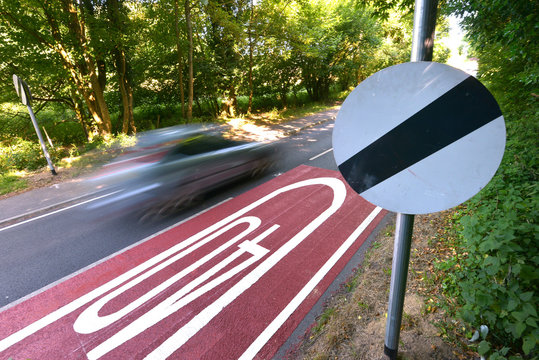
[458,112]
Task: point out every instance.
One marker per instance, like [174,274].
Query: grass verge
[352,326]
[80,160]
[11,182]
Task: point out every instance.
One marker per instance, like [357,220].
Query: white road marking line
[86,268]
[174,342]
[57,211]
[322,154]
[272,328]
[81,301]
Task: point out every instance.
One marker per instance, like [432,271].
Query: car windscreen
[202,144]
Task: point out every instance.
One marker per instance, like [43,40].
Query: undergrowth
[489,278]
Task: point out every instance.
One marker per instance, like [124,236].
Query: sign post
[26,98]
[422,49]
[417,138]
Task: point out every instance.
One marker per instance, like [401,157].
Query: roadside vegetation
[490,278]
[100,71]
[475,267]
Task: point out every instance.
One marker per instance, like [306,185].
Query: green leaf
[529,309]
[531,321]
[483,347]
[492,265]
[519,329]
[520,316]
[528,343]
[512,304]
[526,296]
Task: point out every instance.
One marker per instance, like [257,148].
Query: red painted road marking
[233,282]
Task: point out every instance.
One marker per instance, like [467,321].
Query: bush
[498,272]
[147,116]
[20,154]
[65,133]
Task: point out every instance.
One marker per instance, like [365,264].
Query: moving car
[169,168]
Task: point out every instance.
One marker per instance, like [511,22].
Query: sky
[456,39]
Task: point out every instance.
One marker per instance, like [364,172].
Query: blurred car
[169,168]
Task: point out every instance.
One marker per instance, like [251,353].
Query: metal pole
[422,46]
[424,26]
[397,289]
[43,147]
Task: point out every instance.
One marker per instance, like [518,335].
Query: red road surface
[231,283]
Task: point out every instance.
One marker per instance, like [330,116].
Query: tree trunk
[250,105]
[180,54]
[231,102]
[124,81]
[79,113]
[283,94]
[199,107]
[87,68]
[126,93]
[215,106]
[189,24]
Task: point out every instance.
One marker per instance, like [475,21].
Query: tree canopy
[104,58]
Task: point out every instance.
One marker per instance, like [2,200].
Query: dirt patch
[353,323]
[79,168]
[43,178]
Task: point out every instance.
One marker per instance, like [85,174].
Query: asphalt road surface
[235,277]
[40,252]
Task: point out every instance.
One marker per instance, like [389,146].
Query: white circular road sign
[419,137]
[22,90]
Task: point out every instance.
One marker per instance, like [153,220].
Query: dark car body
[169,169]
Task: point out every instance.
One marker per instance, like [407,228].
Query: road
[238,276]
[41,252]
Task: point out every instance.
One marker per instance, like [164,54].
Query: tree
[60,27]
[332,40]
[226,40]
[504,37]
[189,24]
[118,34]
[180,53]
[42,69]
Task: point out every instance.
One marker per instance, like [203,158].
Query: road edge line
[108,257]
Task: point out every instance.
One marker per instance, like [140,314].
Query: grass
[81,158]
[10,182]
[323,320]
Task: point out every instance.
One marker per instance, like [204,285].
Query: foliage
[59,122]
[98,68]
[21,154]
[492,279]
[503,35]
[274,50]
[493,274]
[10,182]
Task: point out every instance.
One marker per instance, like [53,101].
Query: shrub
[496,279]
[20,154]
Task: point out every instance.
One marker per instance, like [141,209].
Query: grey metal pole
[40,137]
[397,289]
[424,26]
[422,47]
